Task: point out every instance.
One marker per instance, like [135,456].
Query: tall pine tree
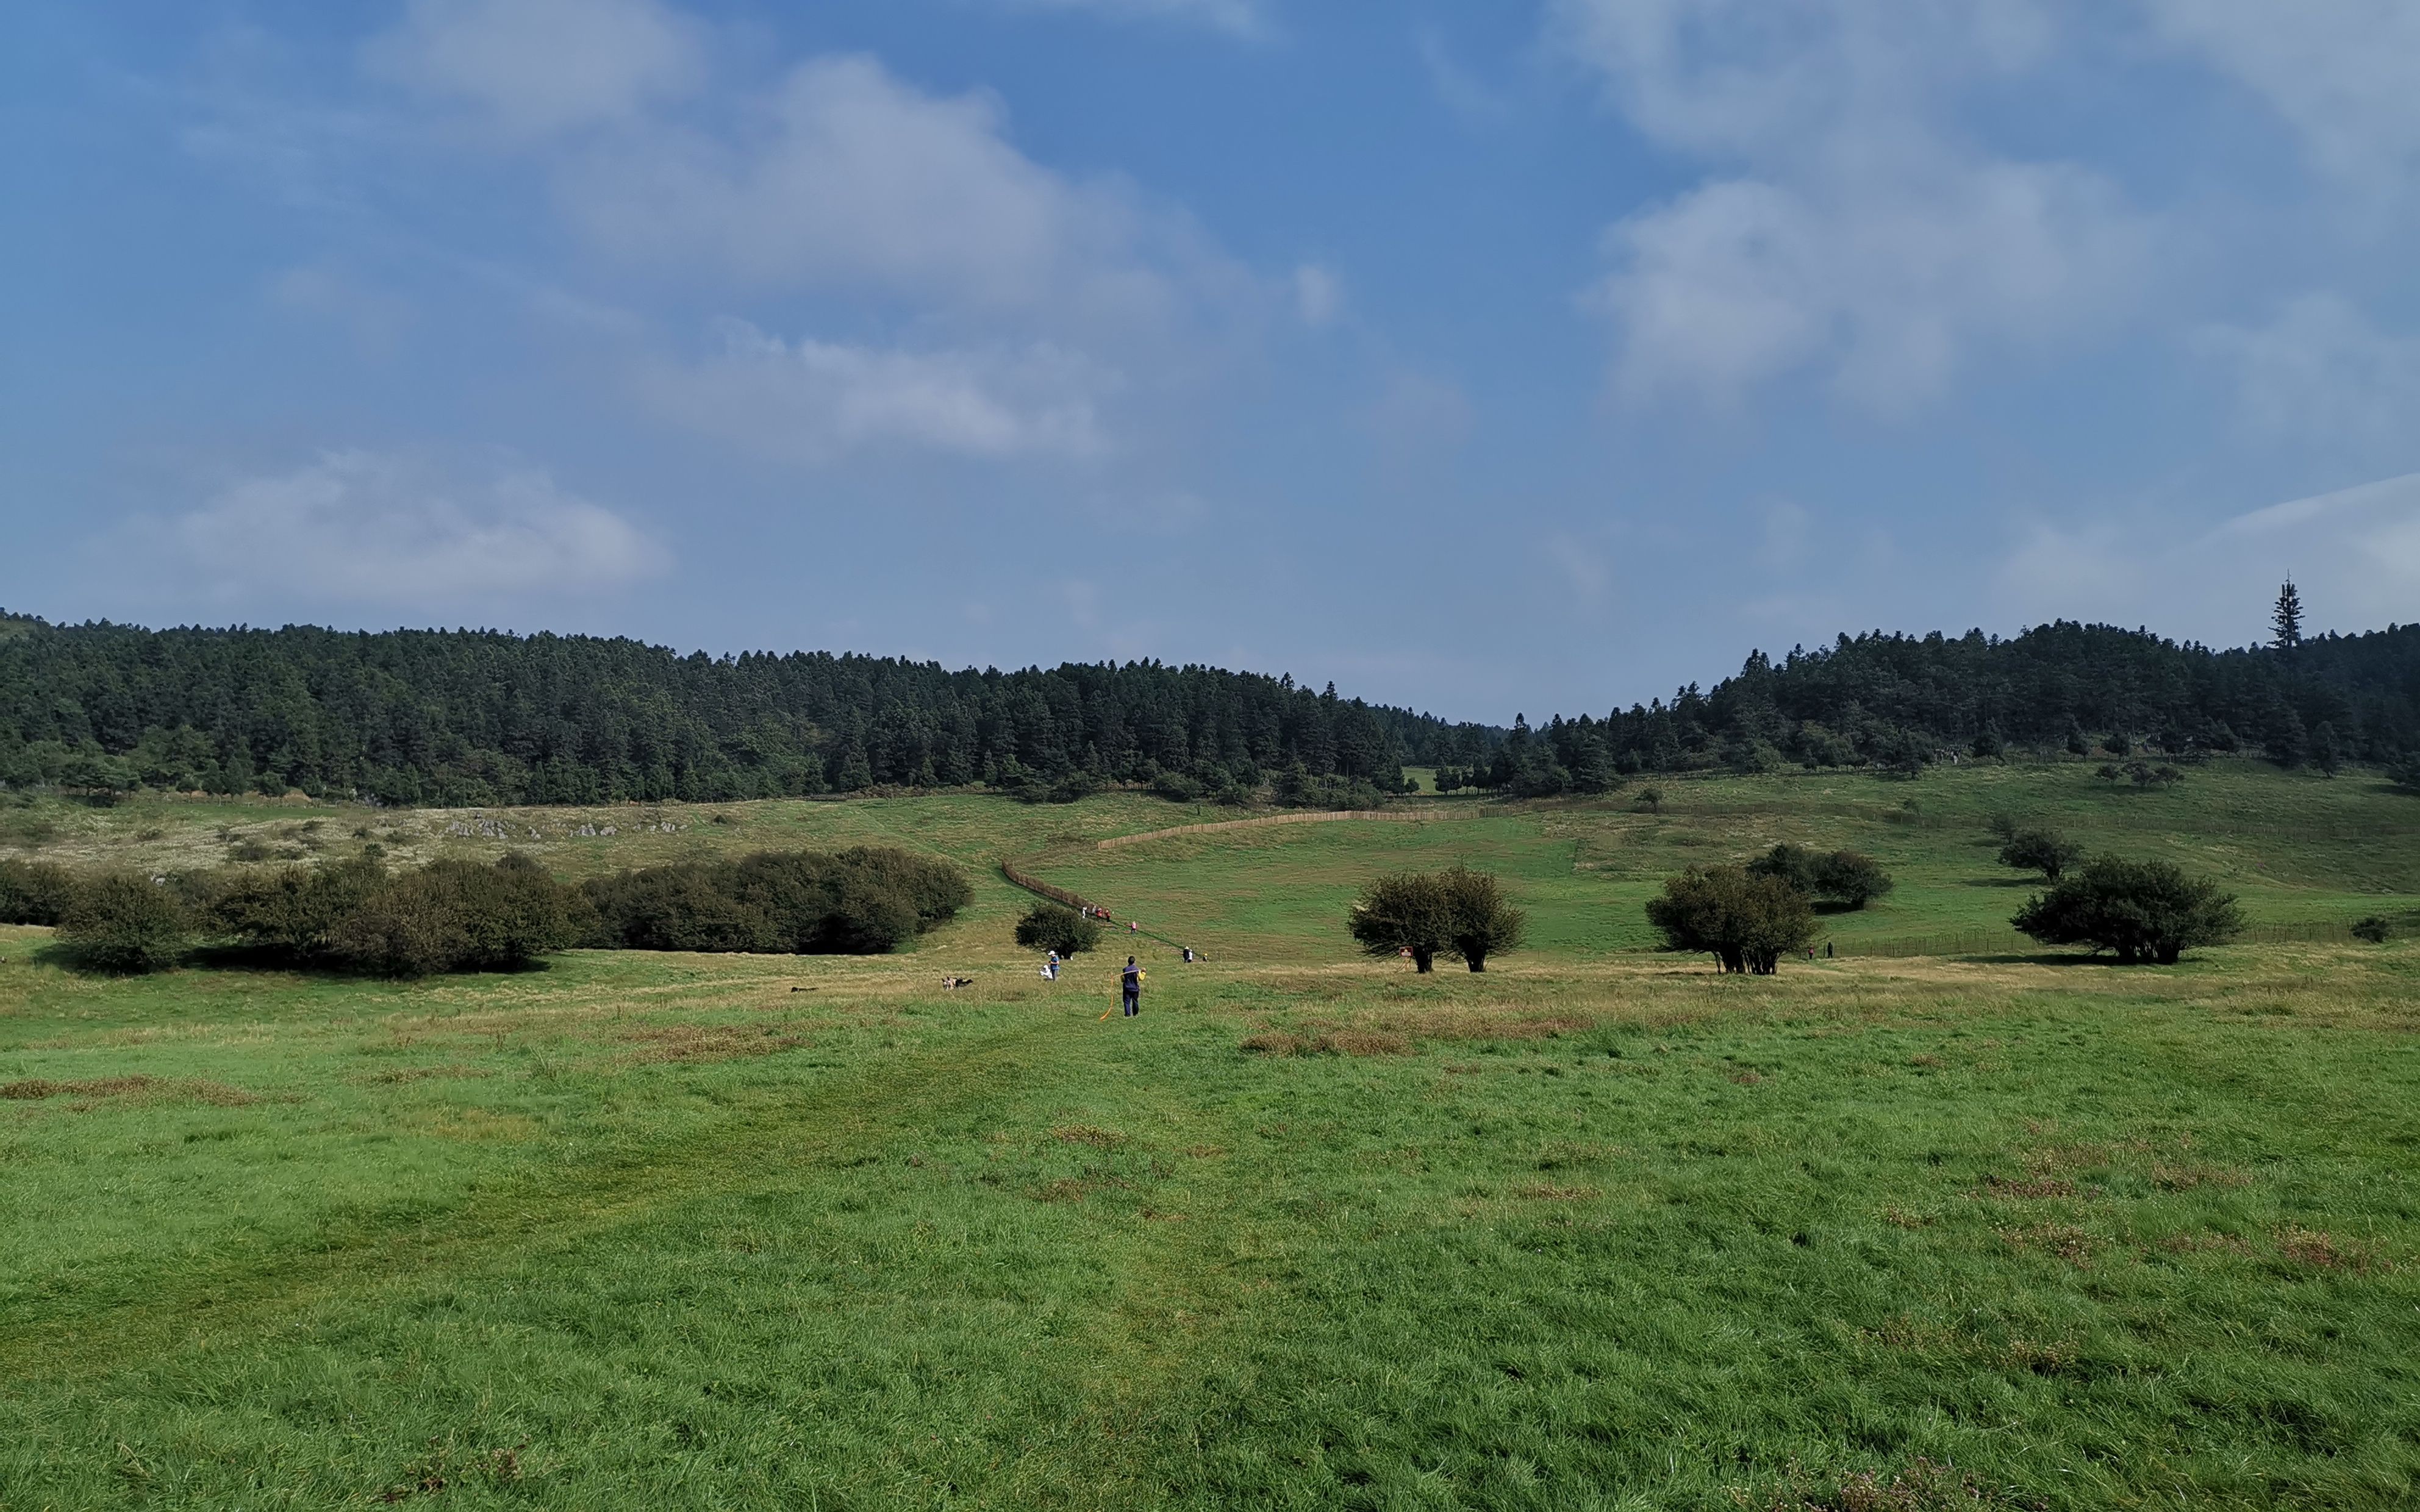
[2286,619]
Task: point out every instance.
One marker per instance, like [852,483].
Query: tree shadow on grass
[2054,958]
[235,960]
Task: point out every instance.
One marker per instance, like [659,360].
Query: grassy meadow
[1598,1228]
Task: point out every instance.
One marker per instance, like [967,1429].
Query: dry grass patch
[1543,1192]
[2322,1251]
[2064,1242]
[1084,1134]
[692,1042]
[398,1075]
[151,1089]
[1327,1042]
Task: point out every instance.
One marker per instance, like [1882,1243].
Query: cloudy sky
[1481,357]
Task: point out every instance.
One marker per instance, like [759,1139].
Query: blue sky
[1519,357]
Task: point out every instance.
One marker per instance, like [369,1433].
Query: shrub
[123,922]
[34,893]
[2374,929]
[866,901]
[2141,910]
[1051,927]
[457,915]
[1747,922]
[1456,912]
[1479,922]
[1402,911]
[294,911]
[1176,787]
[2045,851]
[1849,878]
[2405,773]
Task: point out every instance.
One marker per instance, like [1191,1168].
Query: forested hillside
[477,716]
[1903,701]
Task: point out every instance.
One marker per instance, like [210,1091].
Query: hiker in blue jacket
[1130,987]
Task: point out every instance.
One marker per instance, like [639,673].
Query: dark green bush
[1456,912]
[2374,929]
[1746,921]
[1849,878]
[294,911]
[1051,927]
[866,901]
[120,922]
[34,893]
[2140,910]
[457,915]
[2045,851]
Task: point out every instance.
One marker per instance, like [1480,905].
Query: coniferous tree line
[463,717]
[1903,701]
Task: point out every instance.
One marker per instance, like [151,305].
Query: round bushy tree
[1051,927]
[2045,851]
[2139,910]
[127,923]
[1456,912]
[1479,922]
[1746,922]
[1404,911]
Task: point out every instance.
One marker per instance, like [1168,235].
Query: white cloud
[812,401]
[1318,294]
[1417,417]
[1885,283]
[2344,74]
[536,67]
[364,527]
[1242,18]
[849,178]
[1456,86]
[1849,227]
[2354,553]
[375,319]
[2322,372]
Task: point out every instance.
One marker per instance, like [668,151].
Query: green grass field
[1596,1229]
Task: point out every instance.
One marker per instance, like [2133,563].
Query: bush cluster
[1456,912]
[2139,910]
[1049,926]
[2045,851]
[34,893]
[1746,920]
[1849,878]
[867,901]
[119,921]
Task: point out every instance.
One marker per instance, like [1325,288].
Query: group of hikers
[1129,979]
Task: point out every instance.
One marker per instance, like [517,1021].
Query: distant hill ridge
[474,717]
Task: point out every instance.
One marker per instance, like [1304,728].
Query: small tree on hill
[1456,912]
[1849,878]
[126,923]
[1402,911]
[1481,922]
[2140,910]
[2286,620]
[1051,927]
[2045,851]
[1745,922]
[2405,773]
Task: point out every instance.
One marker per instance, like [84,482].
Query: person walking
[1130,987]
